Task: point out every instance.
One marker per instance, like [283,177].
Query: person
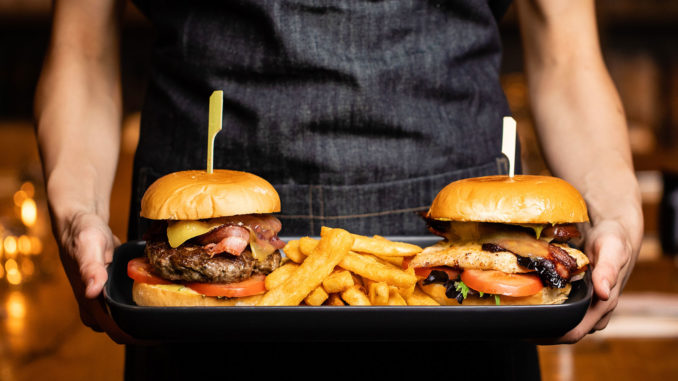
[357,112]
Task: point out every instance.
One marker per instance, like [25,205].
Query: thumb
[610,257]
[91,247]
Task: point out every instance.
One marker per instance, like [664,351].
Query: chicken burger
[506,242]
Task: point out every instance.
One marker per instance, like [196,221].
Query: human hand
[86,246]
[613,252]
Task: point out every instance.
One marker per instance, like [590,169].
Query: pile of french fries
[344,269]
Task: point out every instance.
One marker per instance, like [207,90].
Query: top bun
[522,199]
[195,195]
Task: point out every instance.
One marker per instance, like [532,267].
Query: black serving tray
[326,323]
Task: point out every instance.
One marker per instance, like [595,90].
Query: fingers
[603,322]
[597,317]
[87,246]
[610,248]
[106,324]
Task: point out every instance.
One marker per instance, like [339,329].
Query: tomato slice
[498,282]
[423,272]
[251,286]
[141,271]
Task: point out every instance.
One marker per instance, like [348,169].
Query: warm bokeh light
[19,197]
[16,312]
[11,265]
[13,274]
[16,305]
[14,277]
[27,267]
[10,246]
[36,245]
[2,272]
[28,188]
[29,212]
[24,244]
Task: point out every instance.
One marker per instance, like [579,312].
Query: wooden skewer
[215,120]
[508,143]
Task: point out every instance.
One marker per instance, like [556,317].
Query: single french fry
[280,275]
[354,296]
[396,261]
[317,297]
[335,300]
[394,297]
[382,247]
[370,267]
[420,298]
[407,291]
[338,281]
[378,293]
[307,244]
[332,248]
[292,251]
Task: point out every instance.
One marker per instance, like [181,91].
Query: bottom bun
[175,295]
[545,296]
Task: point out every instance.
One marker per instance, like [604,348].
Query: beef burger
[213,240]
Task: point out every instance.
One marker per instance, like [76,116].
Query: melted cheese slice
[179,232]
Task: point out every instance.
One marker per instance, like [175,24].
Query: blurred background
[41,336]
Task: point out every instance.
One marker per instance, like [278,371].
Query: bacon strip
[233,240]
[233,235]
[565,264]
[561,233]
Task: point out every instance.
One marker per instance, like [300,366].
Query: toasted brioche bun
[522,199]
[195,195]
[545,296]
[174,295]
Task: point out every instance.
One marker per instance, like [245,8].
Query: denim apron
[358,112]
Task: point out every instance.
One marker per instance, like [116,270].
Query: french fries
[306,245]
[332,248]
[354,296]
[338,281]
[419,298]
[378,293]
[335,300]
[380,246]
[342,268]
[394,297]
[396,261]
[317,297]
[369,267]
[280,275]
[293,253]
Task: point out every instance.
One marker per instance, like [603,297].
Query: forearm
[78,115]
[584,137]
[578,114]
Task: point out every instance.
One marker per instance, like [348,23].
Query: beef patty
[190,263]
